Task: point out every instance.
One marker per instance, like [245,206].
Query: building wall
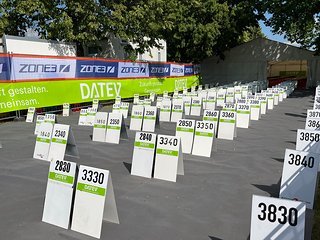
[22,45]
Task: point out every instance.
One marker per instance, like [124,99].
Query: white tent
[250,62]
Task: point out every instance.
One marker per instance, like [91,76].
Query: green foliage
[193,29]
[299,21]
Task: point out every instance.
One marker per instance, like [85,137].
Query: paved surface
[211,201]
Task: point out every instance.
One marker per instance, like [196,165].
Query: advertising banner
[133,70]
[96,69]
[159,70]
[21,95]
[4,68]
[35,68]
[188,70]
[176,70]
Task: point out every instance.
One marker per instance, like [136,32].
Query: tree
[299,21]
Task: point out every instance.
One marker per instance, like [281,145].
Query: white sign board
[59,193]
[99,127]
[299,176]
[83,117]
[211,100]
[66,109]
[116,108]
[165,110]
[169,158]
[50,118]
[273,218]
[136,117]
[255,109]
[263,106]
[220,98]
[227,125]
[185,130]
[243,115]
[177,110]
[91,114]
[150,119]
[313,120]
[213,116]
[308,141]
[94,201]
[40,119]
[203,139]
[143,154]
[30,114]
[62,143]
[187,105]
[124,109]
[196,106]
[95,104]
[115,128]
[270,100]
[42,146]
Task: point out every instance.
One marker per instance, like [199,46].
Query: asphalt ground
[211,201]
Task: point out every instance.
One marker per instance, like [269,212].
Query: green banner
[21,95]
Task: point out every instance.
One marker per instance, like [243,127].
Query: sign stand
[143,154]
[212,116]
[196,105]
[42,146]
[59,193]
[243,115]
[227,123]
[203,139]
[308,141]
[99,127]
[255,109]
[124,109]
[30,114]
[91,114]
[177,110]
[83,117]
[185,131]
[299,176]
[187,105]
[150,119]
[66,110]
[40,119]
[165,110]
[62,143]
[169,158]
[50,118]
[136,117]
[94,201]
[116,128]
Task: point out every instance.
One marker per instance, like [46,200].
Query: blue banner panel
[96,69]
[4,68]
[188,70]
[159,70]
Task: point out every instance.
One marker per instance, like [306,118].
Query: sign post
[243,115]
[136,117]
[115,128]
[150,119]
[42,146]
[99,127]
[185,130]
[227,125]
[203,139]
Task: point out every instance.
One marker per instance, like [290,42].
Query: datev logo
[44,68]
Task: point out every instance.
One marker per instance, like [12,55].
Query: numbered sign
[50,118]
[203,139]
[66,110]
[152,96]
[230,95]
[159,102]
[177,110]
[196,103]
[83,117]
[270,100]
[212,116]
[95,104]
[273,218]
[136,117]
[116,108]
[313,120]
[91,114]
[147,102]
[299,176]
[244,91]
[136,99]
[185,130]
[211,100]
[169,158]
[165,110]
[316,106]
[243,115]
[62,143]
[115,128]
[237,92]
[100,127]
[165,94]
[187,105]
[263,106]
[229,107]
[308,141]
[276,97]
[143,154]
[227,125]
[255,109]
[94,201]
[124,109]
[30,114]
[150,119]
[59,193]
[221,97]
[42,147]
[40,119]
[203,96]
[118,100]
